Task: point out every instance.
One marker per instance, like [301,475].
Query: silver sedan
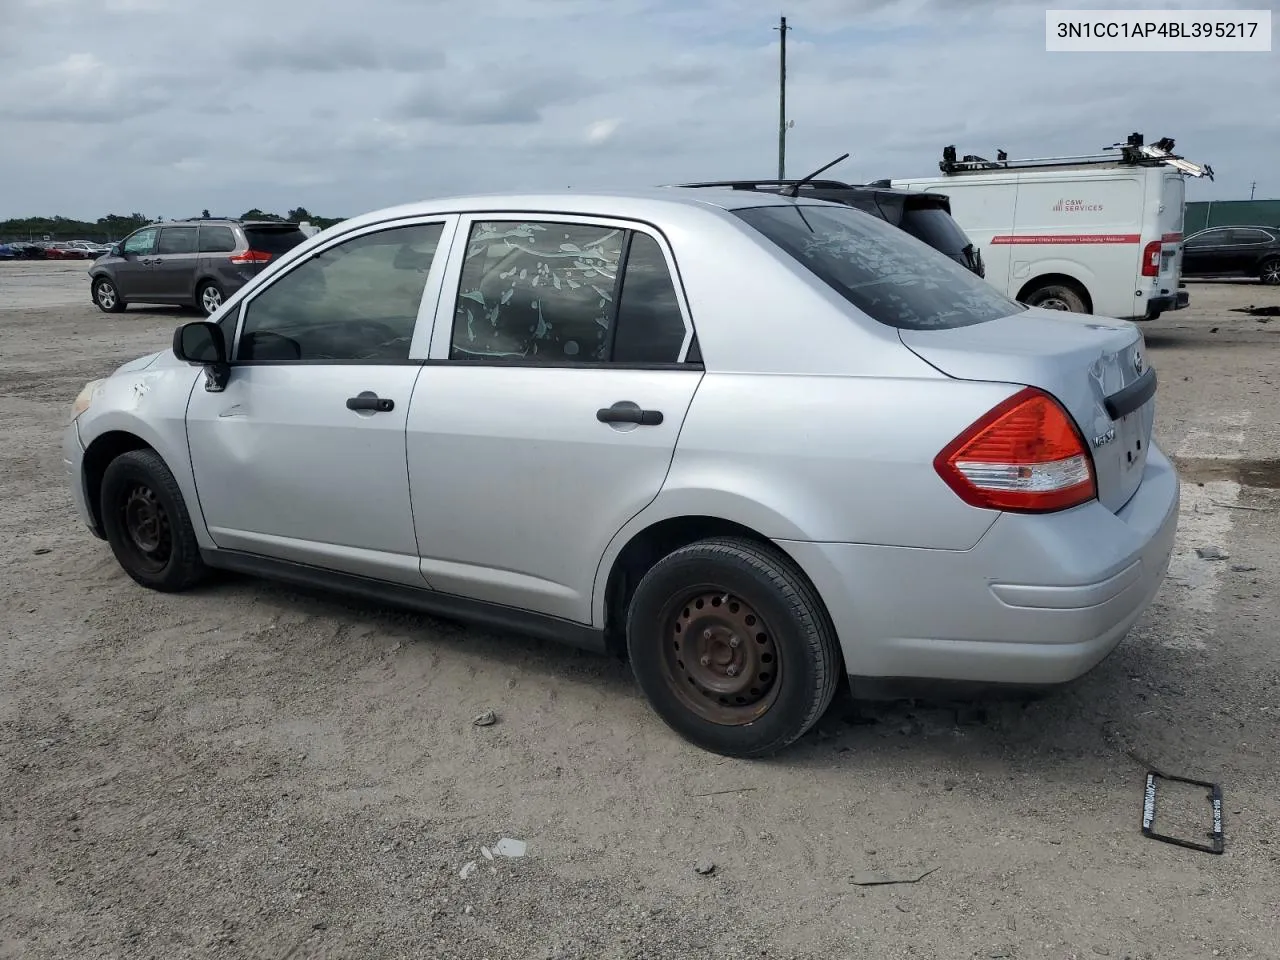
[758,445]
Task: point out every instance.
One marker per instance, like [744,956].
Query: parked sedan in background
[759,444]
[1233,252]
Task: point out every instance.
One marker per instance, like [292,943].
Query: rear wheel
[732,647]
[209,297]
[1270,272]
[1056,296]
[107,297]
[146,523]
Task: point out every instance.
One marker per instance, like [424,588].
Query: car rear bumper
[1039,600]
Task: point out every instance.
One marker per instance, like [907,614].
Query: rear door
[548,414]
[1170,214]
[174,273]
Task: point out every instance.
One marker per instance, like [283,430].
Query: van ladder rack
[1133,152]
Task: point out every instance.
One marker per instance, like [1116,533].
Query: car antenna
[794,189]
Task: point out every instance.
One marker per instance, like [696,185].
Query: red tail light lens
[1151,258]
[1025,455]
[251,256]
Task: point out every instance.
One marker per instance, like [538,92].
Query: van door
[1170,216]
[985,211]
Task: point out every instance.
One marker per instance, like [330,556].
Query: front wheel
[1270,273]
[107,297]
[147,524]
[732,647]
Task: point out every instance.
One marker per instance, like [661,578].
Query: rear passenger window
[650,326]
[217,240]
[177,240]
[537,291]
[356,301]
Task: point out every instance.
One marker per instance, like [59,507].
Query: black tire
[786,651]
[107,296]
[147,524]
[209,297]
[1056,296]
[1269,272]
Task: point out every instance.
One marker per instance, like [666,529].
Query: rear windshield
[275,240]
[887,274]
[935,227]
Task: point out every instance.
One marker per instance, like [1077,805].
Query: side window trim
[427,305]
[442,339]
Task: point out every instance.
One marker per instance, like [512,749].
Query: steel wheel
[1270,274]
[146,523]
[210,298]
[720,657]
[732,646]
[1054,303]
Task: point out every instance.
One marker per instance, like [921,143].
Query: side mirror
[201,342]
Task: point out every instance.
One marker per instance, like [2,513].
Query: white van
[1095,234]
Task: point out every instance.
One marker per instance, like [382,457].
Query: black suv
[926,216]
[188,262]
[1236,251]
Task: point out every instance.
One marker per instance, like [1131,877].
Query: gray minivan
[188,262]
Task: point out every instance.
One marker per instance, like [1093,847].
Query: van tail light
[1151,258]
[250,256]
[1025,455]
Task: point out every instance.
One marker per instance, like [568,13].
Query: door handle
[624,411]
[371,401]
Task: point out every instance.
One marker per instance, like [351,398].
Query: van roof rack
[1132,152]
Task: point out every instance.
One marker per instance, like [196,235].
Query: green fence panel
[1226,213]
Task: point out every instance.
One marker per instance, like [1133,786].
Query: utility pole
[782,29]
[1253,186]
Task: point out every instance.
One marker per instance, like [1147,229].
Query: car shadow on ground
[1089,719]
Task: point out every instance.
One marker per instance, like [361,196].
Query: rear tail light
[1025,455]
[251,256]
[1151,258]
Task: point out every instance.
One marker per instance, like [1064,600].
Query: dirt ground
[251,771]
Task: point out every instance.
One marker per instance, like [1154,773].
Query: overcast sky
[166,107]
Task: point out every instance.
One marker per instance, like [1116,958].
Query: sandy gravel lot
[251,771]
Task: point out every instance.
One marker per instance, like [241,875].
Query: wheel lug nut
[734,642]
[731,670]
[707,634]
[705,661]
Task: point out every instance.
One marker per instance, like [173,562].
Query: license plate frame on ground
[1216,842]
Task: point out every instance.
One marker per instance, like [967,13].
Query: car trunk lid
[1095,367]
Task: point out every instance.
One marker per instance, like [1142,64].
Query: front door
[133,273]
[302,456]
[174,273]
[549,413]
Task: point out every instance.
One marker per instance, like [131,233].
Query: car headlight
[86,397]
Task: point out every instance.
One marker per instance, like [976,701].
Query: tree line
[114,227]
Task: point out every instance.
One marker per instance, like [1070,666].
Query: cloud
[601,131]
[343,108]
[320,53]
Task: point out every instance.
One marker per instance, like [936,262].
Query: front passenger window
[356,301]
